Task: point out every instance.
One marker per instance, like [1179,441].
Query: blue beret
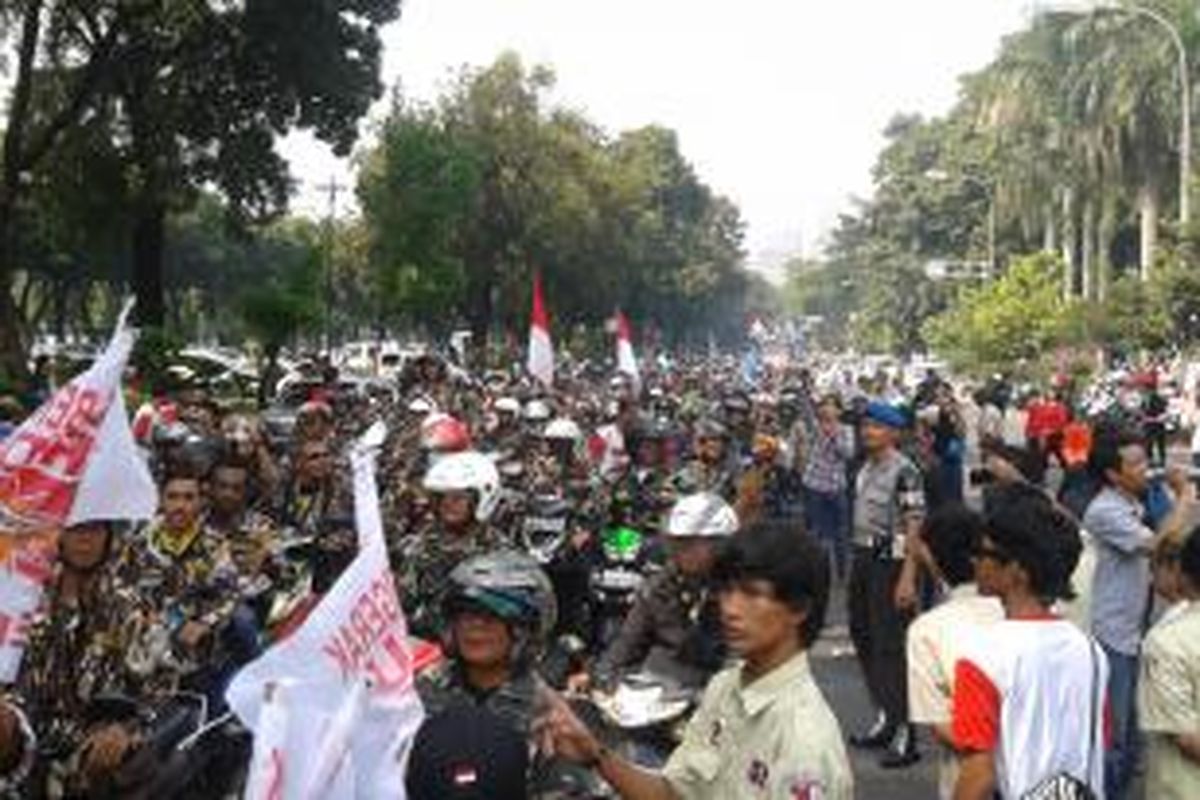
[886,415]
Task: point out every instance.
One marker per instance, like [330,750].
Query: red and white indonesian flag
[541,351]
[333,707]
[74,460]
[627,363]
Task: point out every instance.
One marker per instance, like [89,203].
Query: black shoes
[877,736]
[902,749]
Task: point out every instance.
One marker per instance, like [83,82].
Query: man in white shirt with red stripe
[1028,699]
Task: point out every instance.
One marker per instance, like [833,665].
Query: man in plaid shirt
[826,499]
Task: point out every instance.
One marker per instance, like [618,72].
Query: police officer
[888,512]
[673,623]
[500,608]
[466,487]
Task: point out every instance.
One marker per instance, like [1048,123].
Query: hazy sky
[778,103]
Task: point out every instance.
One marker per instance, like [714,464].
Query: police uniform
[888,497]
[773,738]
[676,616]
[1169,702]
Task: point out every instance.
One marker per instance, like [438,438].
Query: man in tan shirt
[950,538]
[763,729]
[1169,689]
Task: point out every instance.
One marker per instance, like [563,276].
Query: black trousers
[878,629]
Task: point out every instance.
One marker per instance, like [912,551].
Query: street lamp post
[1185,90]
[1185,101]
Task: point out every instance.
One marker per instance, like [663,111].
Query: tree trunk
[1050,229]
[12,346]
[1088,248]
[1105,233]
[148,235]
[1148,208]
[1069,242]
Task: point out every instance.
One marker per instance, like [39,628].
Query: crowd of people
[739,509]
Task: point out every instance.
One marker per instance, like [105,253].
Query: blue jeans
[1121,757]
[826,514]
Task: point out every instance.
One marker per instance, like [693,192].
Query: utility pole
[333,188]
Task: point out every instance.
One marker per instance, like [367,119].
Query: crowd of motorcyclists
[568,537]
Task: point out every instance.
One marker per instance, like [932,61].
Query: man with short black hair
[1027,703]
[950,538]
[1121,586]
[763,727]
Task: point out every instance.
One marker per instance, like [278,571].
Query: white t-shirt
[935,641]
[1027,691]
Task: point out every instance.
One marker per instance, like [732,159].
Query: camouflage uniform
[515,703]
[422,564]
[189,576]
[696,476]
[77,652]
[674,625]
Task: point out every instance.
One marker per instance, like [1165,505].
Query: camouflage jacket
[422,564]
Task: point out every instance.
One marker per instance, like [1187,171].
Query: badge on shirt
[464,775]
[758,774]
[714,732]
[805,787]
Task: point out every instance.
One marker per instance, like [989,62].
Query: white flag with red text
[541,350]
[74,459]
[333,706]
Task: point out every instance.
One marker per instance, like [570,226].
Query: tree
[1017,319]
[182,95]
[465,198]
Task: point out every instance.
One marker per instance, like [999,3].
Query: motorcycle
[616,581]
[649,710]
[183,753]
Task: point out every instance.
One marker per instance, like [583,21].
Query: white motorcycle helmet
[508,405]
[563,428]
[536,411]
[470,471]
[702,515]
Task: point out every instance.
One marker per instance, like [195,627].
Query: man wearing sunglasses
[1026,710]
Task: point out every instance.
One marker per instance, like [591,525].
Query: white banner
[349,707]
[74,459]
[25,569]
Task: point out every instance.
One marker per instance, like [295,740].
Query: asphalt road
[837,673]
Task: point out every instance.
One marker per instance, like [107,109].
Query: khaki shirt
[934,646]
[1169,702]
[773,738]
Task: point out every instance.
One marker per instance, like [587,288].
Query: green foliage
[285,297]
[464,199]
[1018,318]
